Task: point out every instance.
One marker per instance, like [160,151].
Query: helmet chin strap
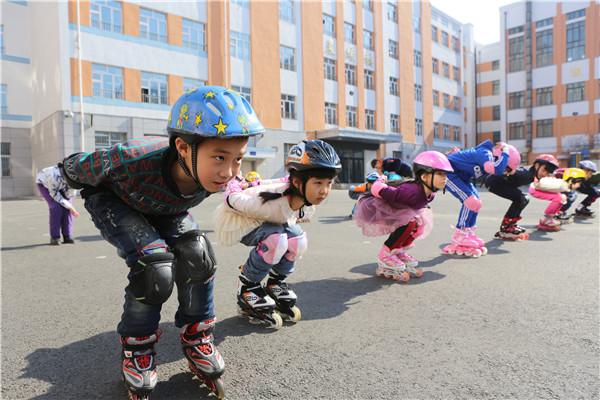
[194,173]
[431,187]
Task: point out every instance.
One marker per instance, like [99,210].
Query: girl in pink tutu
[403,213]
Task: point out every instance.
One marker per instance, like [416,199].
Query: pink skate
[390,266]
[464,244]
[480,241]
[549,223]
[409,261]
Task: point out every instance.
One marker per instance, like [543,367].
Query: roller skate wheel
[403,277]
[277,321]
[295,315]
[476,253]
[460,252]
[484,251]
[418,273]
[216,387]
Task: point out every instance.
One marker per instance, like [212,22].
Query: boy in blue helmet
[592,178]
[138,194]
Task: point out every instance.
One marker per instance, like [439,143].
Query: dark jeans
[134,235]
[60,218]
[585,188]
[501,187]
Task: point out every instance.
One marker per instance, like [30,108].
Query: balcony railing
[155,99]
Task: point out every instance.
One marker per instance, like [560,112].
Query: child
[58,195]
[356,191]
[265,218]
[507,186]
[138,194]
[552,188]
[587,187]
[470,164]
[403,213]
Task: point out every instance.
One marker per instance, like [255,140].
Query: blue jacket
[478,161]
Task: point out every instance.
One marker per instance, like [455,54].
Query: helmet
[372,177]
[392,176]
[430,161]
[548,160]
[252,176]
[514,157]
[312,154]
[587,164]
[576,174]
[212,111]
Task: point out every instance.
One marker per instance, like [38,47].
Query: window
[4,100]
[516,130]
[350,74]
[543,96]
[246,92]
[239,44]
[434,33]
[496,136]
[349,33]
[392,12]
[496,113]
[193,34]
[370,119]
[331,113]
[328,25]
[517,29]
[1,39]
[456,103]
[455,44]
[418,92]
[516,54]
[153,25]
[106,140]
[106,15]
[191,84]
[575,92]
[368,5]
[241,3]
[543,22]
[5,154]
[575,41]
[495,65]
[286,10]
[288,106]
[445,39]
[393,48]
[154,88]
[107,81]
[576,14]
[435,65]
[418,58]
[330,69]
[368,42]
[369,80]
[544,128]
[495,88]
[455,74]
[287,58]
[543,48]
[416,24]
[351,117]
[394,86]
[446,130]
[446,69]
[436,98]
[418,127]
[394,123]
[456,132]
[446,99]
[516,100]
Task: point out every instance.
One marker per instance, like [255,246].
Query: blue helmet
[212,112]
[587,164]
[372,177]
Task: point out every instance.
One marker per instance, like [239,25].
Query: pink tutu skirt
[377,218]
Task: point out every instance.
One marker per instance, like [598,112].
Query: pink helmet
[547,159]
[514,157]
[429,161]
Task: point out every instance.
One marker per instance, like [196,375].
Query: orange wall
[312,67]
[175,87]
[131,19]
[485,114]
[132,79]
[379,85]
[341,71]
[407,82]
[218,36]
[360,73]
[427,73]
[86,72]
[174,29]
[484,67]
[485,89]
[84,12]
[483,136]
[264,47]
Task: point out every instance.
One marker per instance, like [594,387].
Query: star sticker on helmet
[198,119]
[220,127]
[209,95]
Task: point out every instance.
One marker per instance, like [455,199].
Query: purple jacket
[408,194]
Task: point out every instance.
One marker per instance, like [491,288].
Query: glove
[233,186]
[505,149]
[377,187]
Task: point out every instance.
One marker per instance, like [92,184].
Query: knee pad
[195,259]
[272,248]
[489,168]
[473,203]
[152,278]
[297,246]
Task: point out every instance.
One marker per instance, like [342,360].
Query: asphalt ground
[521,322]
